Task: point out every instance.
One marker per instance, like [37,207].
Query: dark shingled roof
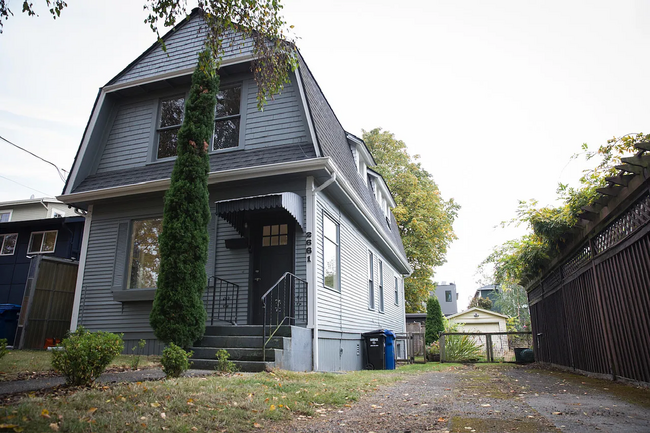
[218,162]
[333,142]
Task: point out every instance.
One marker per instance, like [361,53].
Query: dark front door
[272,256]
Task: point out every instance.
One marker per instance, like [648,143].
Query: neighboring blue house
[29,228]
[294,201]
[490,291]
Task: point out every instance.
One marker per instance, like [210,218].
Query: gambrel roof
[324,145]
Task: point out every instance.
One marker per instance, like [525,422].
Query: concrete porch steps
[243,343]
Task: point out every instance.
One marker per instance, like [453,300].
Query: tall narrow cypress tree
[178,314]
[434,324]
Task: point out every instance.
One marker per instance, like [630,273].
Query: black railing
[284,304]
[221,299]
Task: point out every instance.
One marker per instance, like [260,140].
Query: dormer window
[227,119]
[226,122]
[171,119]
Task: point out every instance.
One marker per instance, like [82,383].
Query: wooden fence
[591,312]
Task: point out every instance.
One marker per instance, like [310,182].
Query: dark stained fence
[592,313]
[47,305]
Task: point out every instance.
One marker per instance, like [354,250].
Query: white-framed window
[144,254]
[381,286]
[5,216]
[227,118]
[172,111]
[371,281]
[42,242]
[396,288]
[8,242]
[331,254]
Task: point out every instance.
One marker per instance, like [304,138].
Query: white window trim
[371,280]
[2,244]
[40,250]
[396,289]
[7,211]
[338,252]
[381,305]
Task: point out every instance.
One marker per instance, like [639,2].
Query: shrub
[175,360]
[460,348]
[135,361]
[433,351]
[82,356]
[223,364]
[434,323]
[3,347]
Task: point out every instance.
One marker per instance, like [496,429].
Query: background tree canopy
[424,218]
[520,261]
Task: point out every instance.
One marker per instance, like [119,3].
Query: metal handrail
[285,301]
[221,300]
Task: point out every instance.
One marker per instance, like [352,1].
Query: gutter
[213,178]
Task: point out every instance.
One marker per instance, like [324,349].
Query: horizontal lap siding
[98,310]
[348,311]
[281,122]
[127,145]
[233,266]
[182,49]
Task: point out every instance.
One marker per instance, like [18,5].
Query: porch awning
[234,210]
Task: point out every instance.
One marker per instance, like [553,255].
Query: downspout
[311,268]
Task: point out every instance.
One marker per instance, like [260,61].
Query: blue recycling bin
[390,349]
[9,322]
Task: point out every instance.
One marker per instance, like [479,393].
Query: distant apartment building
[447,296]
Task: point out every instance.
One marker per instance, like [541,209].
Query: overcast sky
[495,96]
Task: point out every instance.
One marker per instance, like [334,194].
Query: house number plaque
[308,243]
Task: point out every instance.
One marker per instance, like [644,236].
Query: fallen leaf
[92,410]
[3,426]
[45,413]
[272,407]
[163,415]
[155,404]
[486,405]
[257,425]
[54,426]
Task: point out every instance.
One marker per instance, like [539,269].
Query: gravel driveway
[489,398]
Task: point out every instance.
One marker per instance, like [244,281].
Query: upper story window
[371,279]
[171,119]
[42,242]
[447,295]
[381,286]
[226,122]
[8,244]
[144,258]
[227,118]
[331,262]
[5,216]
[396,287]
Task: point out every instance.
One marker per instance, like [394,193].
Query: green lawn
[22,362]
[216,403]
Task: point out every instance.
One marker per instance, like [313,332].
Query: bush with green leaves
[224,365]
[3,347]
[460,348]
[434,324]
[83,355]
[175,360]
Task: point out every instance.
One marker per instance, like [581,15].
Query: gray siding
[127,145]
[98,310]
[281,122]
[348,311]
[183,45]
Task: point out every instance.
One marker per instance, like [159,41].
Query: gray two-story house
[302,227]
